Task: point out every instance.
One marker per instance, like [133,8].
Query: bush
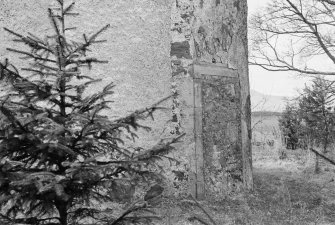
[290,126]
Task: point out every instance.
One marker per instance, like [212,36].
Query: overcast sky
[272,83]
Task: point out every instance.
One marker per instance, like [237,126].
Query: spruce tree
[316,104]
[63,161]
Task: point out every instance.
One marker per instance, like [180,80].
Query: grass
[286,192]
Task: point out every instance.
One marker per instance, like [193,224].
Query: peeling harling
[226,37]
[212,101]
[181,50]
[237,4]
[201,4]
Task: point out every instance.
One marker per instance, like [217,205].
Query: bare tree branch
[314,29]
[292,34]
[328,1]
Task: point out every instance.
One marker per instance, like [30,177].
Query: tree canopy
[294,35]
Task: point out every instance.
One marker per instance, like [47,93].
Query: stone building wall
[210,74]
[194,49]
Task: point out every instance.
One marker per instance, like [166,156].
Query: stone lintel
[214,70]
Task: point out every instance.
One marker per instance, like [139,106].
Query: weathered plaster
[137,47]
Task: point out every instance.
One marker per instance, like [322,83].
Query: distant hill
[265,113]
[262,102]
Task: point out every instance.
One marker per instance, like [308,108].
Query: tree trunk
[62,210]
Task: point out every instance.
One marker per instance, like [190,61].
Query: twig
[194,217]
[207,214]
[133,208]
[141,111]
[322,156]
[30,55]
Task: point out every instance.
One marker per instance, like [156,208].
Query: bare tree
[294,35]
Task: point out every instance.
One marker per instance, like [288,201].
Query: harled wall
[152,47]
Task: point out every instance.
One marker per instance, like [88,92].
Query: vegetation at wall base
[63,161]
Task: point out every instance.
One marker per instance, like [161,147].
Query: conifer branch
[55,26]
[70,28]
[30,55]
[69,8]
[160,148]
[43,66]
[87,61]
[30,42]
[35,38]
[137,113]
[42,73]
[84,46]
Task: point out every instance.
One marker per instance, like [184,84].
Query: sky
[272,83]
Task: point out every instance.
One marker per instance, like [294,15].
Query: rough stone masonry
[209,71]
[195,48]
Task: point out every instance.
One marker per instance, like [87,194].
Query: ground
[286,191]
